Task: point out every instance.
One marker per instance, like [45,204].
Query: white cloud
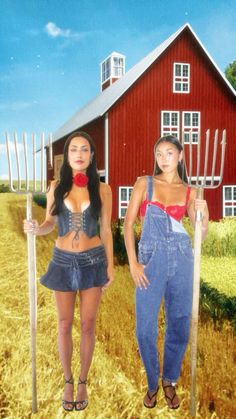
[4,176]
[54,31]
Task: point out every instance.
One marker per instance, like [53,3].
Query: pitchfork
[201,183]
[29,191]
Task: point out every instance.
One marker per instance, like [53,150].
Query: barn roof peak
[98,106]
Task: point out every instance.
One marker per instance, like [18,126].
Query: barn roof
[98,106]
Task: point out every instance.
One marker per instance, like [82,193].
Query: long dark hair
[181,167]
[66,178]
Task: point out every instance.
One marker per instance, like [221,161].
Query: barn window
[106,70]
[112,67]
[124,198]
[191,126]
[229,201]
[170,123]
[118,68]
[181,78]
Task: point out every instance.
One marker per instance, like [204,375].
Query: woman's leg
[65,303]
[89,303]
[148,303]
[147,307]
[178,303]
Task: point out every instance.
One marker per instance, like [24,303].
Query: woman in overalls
[165,264]
[82,258]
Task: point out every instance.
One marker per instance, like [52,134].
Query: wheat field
[116,380]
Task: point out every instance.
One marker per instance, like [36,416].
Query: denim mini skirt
[72,271]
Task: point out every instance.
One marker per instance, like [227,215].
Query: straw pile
[116,380]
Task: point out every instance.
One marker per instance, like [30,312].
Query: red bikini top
[175,211]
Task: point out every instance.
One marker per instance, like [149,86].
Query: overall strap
[149,187]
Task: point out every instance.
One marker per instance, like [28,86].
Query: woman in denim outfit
[82,260]
[165,264]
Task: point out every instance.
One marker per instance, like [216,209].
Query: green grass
[220,273]
[5,185]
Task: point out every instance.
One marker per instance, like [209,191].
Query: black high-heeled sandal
[83,403]
[66,402]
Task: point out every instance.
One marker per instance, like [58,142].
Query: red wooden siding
[135,120]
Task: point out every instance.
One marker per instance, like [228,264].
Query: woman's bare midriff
[81,244]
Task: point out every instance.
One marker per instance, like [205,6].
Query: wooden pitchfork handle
[195,306]
[32,299]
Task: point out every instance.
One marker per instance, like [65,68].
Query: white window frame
[191,129]
[123,204]
[118,68]
[182,80]
[229,203]
[106,70]
[170,129]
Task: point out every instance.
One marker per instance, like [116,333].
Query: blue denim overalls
[165,250]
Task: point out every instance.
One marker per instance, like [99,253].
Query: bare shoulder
[105,189]
[141,182]
[52,186]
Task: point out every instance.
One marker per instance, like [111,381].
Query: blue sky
[51,51]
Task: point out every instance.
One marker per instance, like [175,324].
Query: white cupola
[112,68]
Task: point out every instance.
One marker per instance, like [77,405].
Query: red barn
[177,88]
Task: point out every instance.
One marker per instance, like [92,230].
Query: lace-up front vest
[76,221]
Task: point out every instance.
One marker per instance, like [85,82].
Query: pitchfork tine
[190,156]
[223,145]
[34,161]
[26,161]
[42,163]
[9,162]
[198,161]
[17,162]
[50,150]
[206,157]
[214,157]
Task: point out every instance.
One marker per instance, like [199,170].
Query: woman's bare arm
[195,204]
[136,269]
[48,224]
[105,227]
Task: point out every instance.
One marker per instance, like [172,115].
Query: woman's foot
[67,401]
[81,401]
[150,399]
[170,394]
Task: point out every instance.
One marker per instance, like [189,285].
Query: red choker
[80,180]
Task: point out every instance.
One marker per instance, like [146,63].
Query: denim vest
[76,221]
